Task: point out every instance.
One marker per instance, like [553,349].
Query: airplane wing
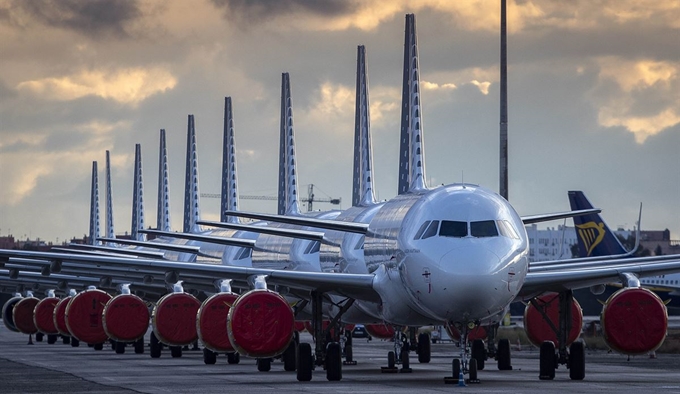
[546,217]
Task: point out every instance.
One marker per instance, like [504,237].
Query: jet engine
[174,319]
[23,315]
[43,316]
[634,321]
[538,329]
[60,316]
[125,318]
[380,331]
[7,313]
[212,320]
[84,316]
[260,324]
[479,332]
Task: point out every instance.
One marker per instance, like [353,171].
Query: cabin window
[244,254]
[453,229]
[483,228]
[421,230]
[431,229]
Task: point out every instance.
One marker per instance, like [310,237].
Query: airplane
[453,254]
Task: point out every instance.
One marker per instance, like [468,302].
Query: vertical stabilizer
[163,209]
[593,235]
[287,166]
[229,178]
[191,211]
[109,200]
[138,198]
[503,171]
[411,152]
[94,207]
[362,185]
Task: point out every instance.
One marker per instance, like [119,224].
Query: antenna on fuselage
[288,198]
[163,207]
[191,193]
[229,198]
[411,152]
[94,207]
[138,198]
[362,188]
[503,187]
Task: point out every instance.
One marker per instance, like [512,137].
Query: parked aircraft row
[455,254]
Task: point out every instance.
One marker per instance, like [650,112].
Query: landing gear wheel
[139,346]
[391,360]
[333,362]
[305,362]
[455,366]
[288,357]
[154,346]
[51,339]
[577,361]
[98,346]
[39,337]
[66,340]
[503,355]
[547,361]
[479,353]
[473,371]
[264,364]
[120,347]
[233,358]
[176,351]
[405,361]
[113,344]
[424,349]
[209,357]
[75,342]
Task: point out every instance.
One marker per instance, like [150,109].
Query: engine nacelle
[43,315]
[539,330]
[634,321]
[211,322]
[380,331]
[174,319]
[125,318]
[479,332]
[60,316]
[23,315]
[7,317]
[260,324]
[83,316]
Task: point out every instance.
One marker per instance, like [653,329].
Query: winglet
[229,200]
[138,198]
[191,193]
[163,208]
[362,190]
[94,206]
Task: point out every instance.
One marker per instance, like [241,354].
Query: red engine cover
[478,332]
[43,315]
[260,324]
[174,319]
[300,326]
[84,316]
[125,318]
[380,331]
[211,322]
[537,328]
[23,315]
[60,316]
[634,321]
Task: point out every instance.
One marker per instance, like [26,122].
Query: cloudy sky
[594,94]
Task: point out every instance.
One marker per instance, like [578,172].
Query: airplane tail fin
[229,200]
[138,198]
[362,185]
[109,199]
[288,191]
[94,207]
[594,236]
[163,207]
[191,193]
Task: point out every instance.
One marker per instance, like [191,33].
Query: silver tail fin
[362,191]
[191,193]
[138,198]
[411,153]
[288,196]
[94,207]
[109,199]
[503,187]
[229,200]
[163,210]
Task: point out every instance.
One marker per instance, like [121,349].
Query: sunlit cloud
[482,86]
[435,86]
[127,86]
[623,91]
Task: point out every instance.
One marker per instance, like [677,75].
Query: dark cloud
[259,10]
[93,17]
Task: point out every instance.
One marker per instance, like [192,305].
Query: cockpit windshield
[453,229]
[460,229]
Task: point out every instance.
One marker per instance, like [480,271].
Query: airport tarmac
[59,368]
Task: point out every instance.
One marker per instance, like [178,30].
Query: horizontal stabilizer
[336,225]
[245,243]
[546,217]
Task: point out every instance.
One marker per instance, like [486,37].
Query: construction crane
[310,200]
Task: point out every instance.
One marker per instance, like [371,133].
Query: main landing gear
[400,355]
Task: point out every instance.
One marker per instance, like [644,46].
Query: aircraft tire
[113,344]
[547,361]
[288,357]
[424,349]
[120,347]
[66,340]
[98,346]
[51,339]
[503,355]
[139,346]
[305,362]
[264,364]
[154,346]
[209,357]
[176,351]
[333,362]
[233,358]
[75,342]
[474,367]
[577,361]
[455,367]
[39,336]
[479,353]
[391,359]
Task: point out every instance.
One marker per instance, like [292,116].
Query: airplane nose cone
[470,261]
